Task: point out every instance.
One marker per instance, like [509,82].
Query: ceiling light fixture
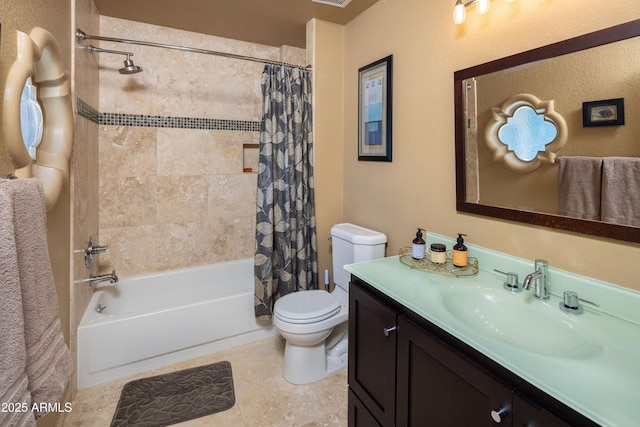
[460,12]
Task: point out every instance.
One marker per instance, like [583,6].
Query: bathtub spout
[110,277]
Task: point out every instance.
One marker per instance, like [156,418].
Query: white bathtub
[155,320]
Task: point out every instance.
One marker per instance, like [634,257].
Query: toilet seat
[306,307]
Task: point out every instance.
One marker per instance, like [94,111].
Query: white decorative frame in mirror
[533,146]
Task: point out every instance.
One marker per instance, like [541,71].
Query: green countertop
[601,383]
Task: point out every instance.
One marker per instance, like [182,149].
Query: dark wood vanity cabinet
[528,414]
[372,359]
[404,371]
[436,386]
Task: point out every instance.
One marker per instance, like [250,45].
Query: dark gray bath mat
[175,397]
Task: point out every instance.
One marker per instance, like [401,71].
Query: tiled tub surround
[173,141]
[602,386]
[172,198]
[174,183]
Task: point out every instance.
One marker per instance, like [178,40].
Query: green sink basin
[521,322]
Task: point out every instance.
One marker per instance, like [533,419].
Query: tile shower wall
[84,170]
[173,145]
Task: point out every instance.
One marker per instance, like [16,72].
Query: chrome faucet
[540,277]
[91,250]
[110,277]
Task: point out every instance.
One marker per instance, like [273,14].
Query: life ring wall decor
[40,62]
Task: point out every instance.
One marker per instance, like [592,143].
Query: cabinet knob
[499,415]
[388,330]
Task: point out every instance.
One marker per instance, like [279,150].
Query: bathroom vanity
[432,350]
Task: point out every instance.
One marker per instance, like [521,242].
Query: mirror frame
[596,228]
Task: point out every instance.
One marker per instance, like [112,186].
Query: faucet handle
[570,302]
[91,250]
[512,281]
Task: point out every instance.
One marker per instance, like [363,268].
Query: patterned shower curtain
[286,258]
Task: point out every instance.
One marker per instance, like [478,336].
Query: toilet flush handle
[388,330]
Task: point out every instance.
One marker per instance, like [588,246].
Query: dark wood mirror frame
[595,228]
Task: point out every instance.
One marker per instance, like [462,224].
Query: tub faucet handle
[91,250]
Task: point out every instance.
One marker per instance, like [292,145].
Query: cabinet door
[527,414]
[359,415]
[372,354]
[439,387]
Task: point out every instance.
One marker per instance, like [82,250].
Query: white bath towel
[621,190]
[13,353]
[579,186]
[48,360]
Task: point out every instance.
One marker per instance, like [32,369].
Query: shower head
[129,67]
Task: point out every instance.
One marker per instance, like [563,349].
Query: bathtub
[155,320]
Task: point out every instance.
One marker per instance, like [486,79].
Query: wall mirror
[572,75]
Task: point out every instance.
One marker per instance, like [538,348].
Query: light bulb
[482,6]
[459,13]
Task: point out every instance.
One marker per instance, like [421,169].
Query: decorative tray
[446,268]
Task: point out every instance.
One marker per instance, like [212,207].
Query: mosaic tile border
[117,119]
[143,120]
[87,111]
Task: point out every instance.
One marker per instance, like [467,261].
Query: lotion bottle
[418,246]
[460,254]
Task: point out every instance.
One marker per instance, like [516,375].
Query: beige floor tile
[263,397]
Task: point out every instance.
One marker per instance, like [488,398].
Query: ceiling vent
[337,3]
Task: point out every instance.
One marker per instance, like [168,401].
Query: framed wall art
[609,112]
[374,110]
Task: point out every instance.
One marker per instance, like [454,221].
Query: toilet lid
[306,306]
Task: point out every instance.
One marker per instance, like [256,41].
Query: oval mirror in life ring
[31,119]
[37,116]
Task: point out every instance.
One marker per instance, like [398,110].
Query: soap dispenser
[418,246]
[460,254]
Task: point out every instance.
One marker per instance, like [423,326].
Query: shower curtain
[286,258]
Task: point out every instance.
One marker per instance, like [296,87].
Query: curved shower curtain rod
[81,35]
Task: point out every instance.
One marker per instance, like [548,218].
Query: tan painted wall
[418,187]
[325,43]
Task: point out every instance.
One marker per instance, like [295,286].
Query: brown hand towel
[49,364]
[579,186]
[13,353]
[621,190]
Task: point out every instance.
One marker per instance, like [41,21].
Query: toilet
[314,322]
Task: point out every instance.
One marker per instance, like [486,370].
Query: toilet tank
[352,243]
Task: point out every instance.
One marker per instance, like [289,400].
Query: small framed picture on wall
[608,112]
[374,110]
